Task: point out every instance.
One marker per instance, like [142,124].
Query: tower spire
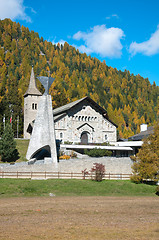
[32,89]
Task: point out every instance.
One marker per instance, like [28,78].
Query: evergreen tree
[146,165]
[8,151]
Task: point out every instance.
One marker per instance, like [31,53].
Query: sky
[124,33]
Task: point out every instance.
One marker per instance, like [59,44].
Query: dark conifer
[8,151]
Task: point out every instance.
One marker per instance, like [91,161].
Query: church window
[106,137]
[79,118]
[88,119]
[61,135]
[34,106]
[82,118]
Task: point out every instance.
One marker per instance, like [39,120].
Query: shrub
[68,142]
[99,170]
[136,178]
[66,157]
[85,173]
[97,152]
[73,154]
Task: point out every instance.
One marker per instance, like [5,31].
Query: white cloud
[101,40]
[111,16]
[13,9]
[147,48]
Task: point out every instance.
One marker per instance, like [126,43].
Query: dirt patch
[79,218]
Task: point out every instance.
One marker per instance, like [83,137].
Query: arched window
[61,135]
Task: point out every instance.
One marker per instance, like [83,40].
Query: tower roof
[32,89]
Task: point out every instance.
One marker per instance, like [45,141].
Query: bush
[73,154]
[99,170]
[66,157]
[136,178]
[157,191]
[97,152]
[85,173]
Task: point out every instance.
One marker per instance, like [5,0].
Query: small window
[106,137]
[33,106]
[61,135]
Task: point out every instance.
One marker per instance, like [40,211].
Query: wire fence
[61,175]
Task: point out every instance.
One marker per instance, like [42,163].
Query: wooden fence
[60,175]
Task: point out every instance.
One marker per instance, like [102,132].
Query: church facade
[82,121]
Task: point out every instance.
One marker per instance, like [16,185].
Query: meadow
[73,187]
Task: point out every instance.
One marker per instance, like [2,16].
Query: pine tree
[8,151]
[146,165]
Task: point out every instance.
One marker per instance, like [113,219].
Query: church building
[82,121]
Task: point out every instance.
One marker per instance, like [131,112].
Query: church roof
[63,109]
[32,89]
[143,134]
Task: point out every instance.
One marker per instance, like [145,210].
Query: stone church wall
[85,119]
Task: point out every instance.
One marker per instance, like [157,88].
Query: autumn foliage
[129,100]
[146,163]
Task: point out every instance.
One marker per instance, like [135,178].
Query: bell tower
[31,99]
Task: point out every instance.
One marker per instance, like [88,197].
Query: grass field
[73,187]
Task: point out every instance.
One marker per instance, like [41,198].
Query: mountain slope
[129,100]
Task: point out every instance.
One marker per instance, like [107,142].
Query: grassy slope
[22,146]
[62,187]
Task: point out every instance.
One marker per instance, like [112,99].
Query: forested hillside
[129,100]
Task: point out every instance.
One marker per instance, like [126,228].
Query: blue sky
[124,33]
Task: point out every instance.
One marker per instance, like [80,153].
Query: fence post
[17,174]
[109,176]
[31,174]
[58,175]
[71,175]
[121,176]
[45,174]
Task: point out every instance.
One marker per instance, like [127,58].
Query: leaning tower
[31,99]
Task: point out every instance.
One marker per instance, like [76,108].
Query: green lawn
[73,187]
